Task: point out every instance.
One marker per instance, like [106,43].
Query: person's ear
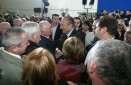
[91,66]
[34,36]
[104,30]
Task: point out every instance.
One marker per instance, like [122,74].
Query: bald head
[4,26]
[45,28]
[17,22]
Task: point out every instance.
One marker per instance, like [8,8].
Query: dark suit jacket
[11,69]
[47,44]
[73,34]
[58,33]
[31,47]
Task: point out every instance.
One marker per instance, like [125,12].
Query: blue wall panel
[113,5]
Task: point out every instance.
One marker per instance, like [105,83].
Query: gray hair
[30,27]
[12,37]
[17,22]
[113,61]
[43,25]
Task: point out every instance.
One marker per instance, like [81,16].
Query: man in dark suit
[56,30]
[46,41]
[10,60]
[67,25]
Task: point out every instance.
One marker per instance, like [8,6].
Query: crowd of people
[66,51]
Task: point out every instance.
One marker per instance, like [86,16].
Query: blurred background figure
[86,26]
[127,36]
[56,30]
[121,32]
[17,22]
[3,27]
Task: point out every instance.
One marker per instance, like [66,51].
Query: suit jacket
[58,33]
[30,48]
[47,44]
[11,69]
[73,34]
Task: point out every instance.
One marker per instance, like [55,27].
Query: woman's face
[85,27]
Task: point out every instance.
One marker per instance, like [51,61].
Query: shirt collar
[17,56]
[68,34]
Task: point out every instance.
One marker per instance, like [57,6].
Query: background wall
[26,7]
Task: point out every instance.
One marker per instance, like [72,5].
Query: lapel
[74,32]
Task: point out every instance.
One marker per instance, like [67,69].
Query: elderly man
[109,63]
[67,26]
[3,27]
[127,35]
[17,22]
[14,42]
[45,41]
[33,31]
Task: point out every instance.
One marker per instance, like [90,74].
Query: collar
[68,34]
[15,55]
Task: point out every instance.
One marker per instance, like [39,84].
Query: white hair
[30,27]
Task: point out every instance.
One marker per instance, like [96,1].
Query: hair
[121,29]
[70,20]
[113,61]
[12,36]
[30,27]
[54,15]
[110,23]
[4,26]
[80,21]
[73,50]
[77,18]
[43,25]
[39,68]
[86,22]
[17,22]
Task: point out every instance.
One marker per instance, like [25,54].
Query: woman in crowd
[72,68]
[39,69]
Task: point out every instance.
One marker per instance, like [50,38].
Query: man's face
[66,28]
[21,49]
[55,20]
[77,23]
[48,30]
[127,36]
[98,31]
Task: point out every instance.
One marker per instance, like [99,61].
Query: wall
[26,7]
[114,5]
